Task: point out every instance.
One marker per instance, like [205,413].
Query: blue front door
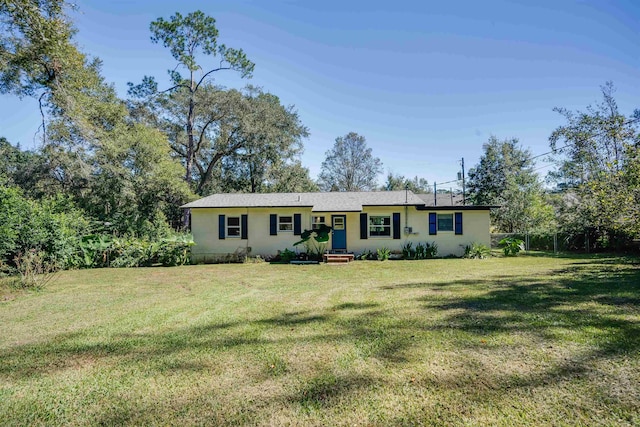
[339,234]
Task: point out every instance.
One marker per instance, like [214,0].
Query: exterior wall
[204,226]
[475,228]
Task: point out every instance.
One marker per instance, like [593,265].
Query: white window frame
[382,226]
[234,227]
[285,226]
[317,221]
[452,229]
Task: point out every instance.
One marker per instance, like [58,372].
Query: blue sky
[425,82]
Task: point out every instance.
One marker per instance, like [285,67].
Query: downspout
[246,248]
[406,218]
[406,208]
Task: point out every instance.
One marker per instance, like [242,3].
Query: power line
[553,162]
[549,152]
[447,182]
[590,136]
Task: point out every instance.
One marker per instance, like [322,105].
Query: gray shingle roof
[319,202]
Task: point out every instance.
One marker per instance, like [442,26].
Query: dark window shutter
[364,227]
[458,222]
[433,223]
[221,227]
[396,225]
[297,224]
[273,222]
[244,222]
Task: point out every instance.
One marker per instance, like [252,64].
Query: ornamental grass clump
[477,251]
[34,270]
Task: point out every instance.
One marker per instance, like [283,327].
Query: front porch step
[338,257]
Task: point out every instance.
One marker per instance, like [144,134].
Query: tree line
[593,193]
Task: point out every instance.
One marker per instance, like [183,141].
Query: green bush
[286,256]
[424,250]
[315,241]
[95,250]
[511,246]
[61,236]
[477,251]
[383,253]
[408,252]
[174,250]
[132,253]
[14,211]
[51,227]
[104,251]
[367,255]
[168,252]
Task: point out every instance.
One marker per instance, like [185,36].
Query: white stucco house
[263,224]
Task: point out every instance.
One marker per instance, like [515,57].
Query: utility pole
[464,195]
[435,194]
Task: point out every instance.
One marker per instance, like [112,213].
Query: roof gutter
[455,208]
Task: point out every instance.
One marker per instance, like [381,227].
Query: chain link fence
[557,242]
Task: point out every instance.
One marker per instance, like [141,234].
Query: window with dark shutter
[221,226]
[433,223]
[297,224]
[458,222]
[245,229]
[364,226]
[273,225]
[396,225]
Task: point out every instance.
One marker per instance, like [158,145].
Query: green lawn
[532,340]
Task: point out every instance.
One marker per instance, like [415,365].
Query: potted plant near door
[315,241]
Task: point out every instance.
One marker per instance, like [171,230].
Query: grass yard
[532,340]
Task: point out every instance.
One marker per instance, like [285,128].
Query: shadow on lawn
[355,306]
[591,295]
[536,303]
[596,301]
[83,348]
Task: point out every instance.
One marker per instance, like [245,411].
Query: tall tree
[93,152]
[505,177]
[399,182]
[350,165]
[240,135]
[23,168]
[186,37]
[592,141]
[38,57]
[290,177]
[279,177]
[598,169]
[135,182]
[35,46]
[257,135]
